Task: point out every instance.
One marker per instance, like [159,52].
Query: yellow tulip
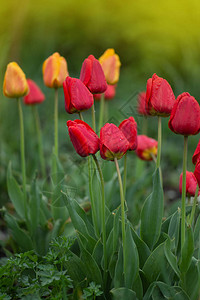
[110,63]
[15,84]
[54,70]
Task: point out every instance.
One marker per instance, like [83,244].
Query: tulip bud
[191,184]
[77,96]
[54,70]
[129,129]
[35,94]
[146,147]
[113,143]
[110,63]
[92,75]
[142,104]
[159,97]
[109,93]
[196,155]
[15,84]
[185,115]
[83,138]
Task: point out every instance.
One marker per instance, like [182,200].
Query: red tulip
[92,75]
[196,155]
[197,172]
[185,115]
[146,147]
[109,93]
[35,94]
[77,96]
[113,143]
[159,97]
[83,138]
[191,184]
[129,129]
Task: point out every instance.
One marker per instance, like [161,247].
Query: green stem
[159,141]
[101,113]
[39,137]
[103,215]
[122,213]
[94,215]
[80,116]
[93,118]
[125,174]
[23,156]
[56,123]
[183,192]
[194,205]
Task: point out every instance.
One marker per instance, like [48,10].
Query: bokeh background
[160,37]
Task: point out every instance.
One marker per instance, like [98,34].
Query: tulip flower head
[109,93]
[92,75]
[142,104]
[83,138]
[129,129]
[197,172]
[113,143]
[146,147]
[77,95]
[35,94]
[110,63]
[54,70]
[196,155]
[15,84]
[191,184]
[159,97]
[185,116]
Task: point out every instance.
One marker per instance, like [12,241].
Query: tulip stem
[93,118]
[183,192]
[194,205]
[125,174]
[94,215]
[80,116]
[159,141]
[39,137]
[56,123]
[122,213]
[101,113]
[103,215]
[23,163]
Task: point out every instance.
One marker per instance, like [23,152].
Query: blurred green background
[149,36]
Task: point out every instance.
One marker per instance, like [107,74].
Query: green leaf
[137,287]
[119,278]
[171,258]
[75,269]
[34,207]
[174,227]
[192,280]
[92,270]
[187,251]
[143,249]
[19,235]
[152,213]
[155,263]
[123,293]
[79,221]
[132,259]
[15,193]
[196,232]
